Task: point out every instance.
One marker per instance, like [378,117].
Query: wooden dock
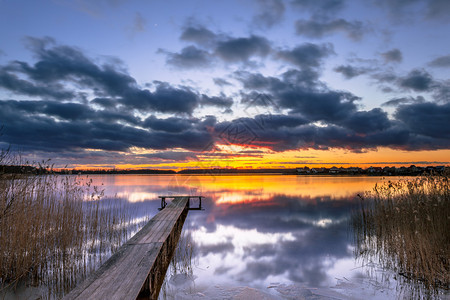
[138,268]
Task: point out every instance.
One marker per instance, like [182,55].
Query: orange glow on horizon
[239,157]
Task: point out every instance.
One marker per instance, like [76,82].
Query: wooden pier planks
[139,266]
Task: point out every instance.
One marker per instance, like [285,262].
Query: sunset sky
[239,83]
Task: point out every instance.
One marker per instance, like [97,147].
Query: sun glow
[240,157]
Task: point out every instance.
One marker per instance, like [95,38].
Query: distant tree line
[384,171]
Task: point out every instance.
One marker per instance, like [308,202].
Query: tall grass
[54,230]
[406,225]
[181,264]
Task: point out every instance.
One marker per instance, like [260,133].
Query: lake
[263,236]
[259,237]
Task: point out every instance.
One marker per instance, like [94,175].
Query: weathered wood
[138,268]
[164,203]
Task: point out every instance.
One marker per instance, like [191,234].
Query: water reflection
[275,240]
[260,236]
[259,230]
[289,233]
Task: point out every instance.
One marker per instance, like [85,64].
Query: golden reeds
[406,225]
[55,229]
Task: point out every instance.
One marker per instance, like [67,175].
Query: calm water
[263,236]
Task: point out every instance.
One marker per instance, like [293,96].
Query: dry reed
[405,224]
[182,264]
[54,230]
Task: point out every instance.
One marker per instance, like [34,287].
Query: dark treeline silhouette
[14,169]
[376,171]
[115,171]
[238,171]
[24,169]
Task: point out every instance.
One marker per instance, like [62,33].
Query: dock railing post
[163,203]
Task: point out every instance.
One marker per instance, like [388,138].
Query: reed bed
[56,229]
[405,225]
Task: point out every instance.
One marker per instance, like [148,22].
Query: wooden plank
[138,265]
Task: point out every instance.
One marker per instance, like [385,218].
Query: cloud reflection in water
[261,230]
[254,234]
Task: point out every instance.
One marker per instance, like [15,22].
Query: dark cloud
[440,62]
[427,119]
[342,125]
[394,55]
[307,55]
[257,81]
[104,102]
[195,140]
[67,111]
[318,29]
[322,8]
[212,45]
[305,79]
[114,114]
[171,155]
[404,100]
[367,121]
[350,72]
[218,101]
[172,124]
[221,82]
[176,124]
[62,111]
[59,63]
[271,13]
[14,84]
[110,121]
[328,106]
[263,121]
[442,91]
[385,77]
[164,99]
[199,35]
[279,121]
[32,125]
[242,49]
[190,57]
[34,132]
[59,127]
[300,95]
[125,117]
[417,80]
[248,131]
[62,64]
